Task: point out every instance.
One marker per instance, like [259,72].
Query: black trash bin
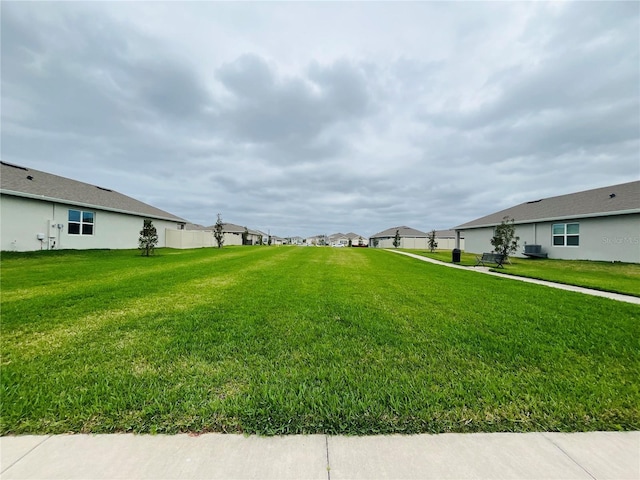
[455,254]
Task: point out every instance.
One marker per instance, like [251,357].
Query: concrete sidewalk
[571,288]
[593,455]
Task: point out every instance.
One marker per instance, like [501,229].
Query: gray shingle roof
[196,226]
[226,228]
[230,228]
[27,182]
[445,234]
[613,200]
[403,231]
[354,236]
[351,235]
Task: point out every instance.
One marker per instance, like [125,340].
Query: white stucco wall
[22,219]
[478,240]
[614,238]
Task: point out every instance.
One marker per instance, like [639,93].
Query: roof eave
[551,219]
[89,205]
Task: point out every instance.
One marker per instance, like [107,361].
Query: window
[80,222]
[566,234]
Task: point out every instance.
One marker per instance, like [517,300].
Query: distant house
[409,238]
[338,239]
[42,211]
[318,240]
[260,235]
[598,224]
[295,240]
[275,240]
[343,239]
[357,240]
[199,236]
[233,234]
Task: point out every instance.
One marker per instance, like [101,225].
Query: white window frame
[565,235]
[81,223]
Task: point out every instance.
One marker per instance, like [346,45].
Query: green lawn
[277,340]
[611,277]
[466,259]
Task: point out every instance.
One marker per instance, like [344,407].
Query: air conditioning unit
[532,249]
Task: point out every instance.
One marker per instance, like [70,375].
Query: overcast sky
[316,118]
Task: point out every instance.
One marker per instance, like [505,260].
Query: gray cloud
[291,118]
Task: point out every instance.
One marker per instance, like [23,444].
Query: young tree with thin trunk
[431,241]
[396,239]
[218,232]
[504,239]
[148,238]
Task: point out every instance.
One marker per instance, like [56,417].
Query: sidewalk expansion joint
[326,444]
[569,457]
[5,470]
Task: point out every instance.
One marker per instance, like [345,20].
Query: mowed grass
[607,276]
[279,340]
[466,259]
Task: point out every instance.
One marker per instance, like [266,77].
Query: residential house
[338,240]
[295,240]
[42,211]
[346,239]
[275,240]
[409,238]
[317,240]
[233,234]
[198,236]
[254,237]
[599,224]
[357,240]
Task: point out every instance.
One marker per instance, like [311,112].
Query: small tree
[245,236]
[269,241]
[350,243]
[148,238]
[504,239]
[376,242]
[431,241]
[396,239]
[218,232]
